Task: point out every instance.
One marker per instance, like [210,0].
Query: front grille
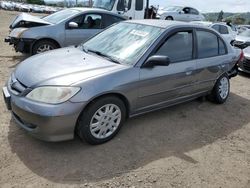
[16,86]
[246,64]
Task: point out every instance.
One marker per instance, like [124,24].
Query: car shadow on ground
[169,132]
[244,74]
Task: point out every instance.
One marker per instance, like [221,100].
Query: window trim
[218,37]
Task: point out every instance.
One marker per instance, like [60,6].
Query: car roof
[165,23]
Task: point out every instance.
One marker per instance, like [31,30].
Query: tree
[239,20]
[220,16]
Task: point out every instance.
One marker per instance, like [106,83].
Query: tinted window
[122,4]
[178,47]
[207,44]
[194,11]
[138,4]
[109,20]
[222,48]
[186,10]
[223,29]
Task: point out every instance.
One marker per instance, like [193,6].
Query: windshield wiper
[103,55]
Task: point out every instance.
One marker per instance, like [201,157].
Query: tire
[169,18]
[221,90]
[100,130]
[43,44]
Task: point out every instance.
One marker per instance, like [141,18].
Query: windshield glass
[124,42]
[104,4]
[245,33]
[60,16]
[173,8]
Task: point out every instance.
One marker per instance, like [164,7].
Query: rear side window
[109,20]
[216,27]
[223,29]
[209,44]
[138,4]
[194,11]
[179,47]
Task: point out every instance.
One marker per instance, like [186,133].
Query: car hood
[64,66]
[27,20]
[242,38]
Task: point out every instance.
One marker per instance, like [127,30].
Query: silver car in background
[129,69]
[31,34]
[243,39]
[179,13]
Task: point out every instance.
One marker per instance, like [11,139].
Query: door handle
[189,71]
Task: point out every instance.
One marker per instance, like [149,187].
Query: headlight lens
[52,95]
[16,33]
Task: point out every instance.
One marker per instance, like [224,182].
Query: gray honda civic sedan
[131,68]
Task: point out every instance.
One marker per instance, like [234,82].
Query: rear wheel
[102,120]
[221,90]
[43,46]
[169,18]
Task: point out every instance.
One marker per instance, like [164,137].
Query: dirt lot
[197,144]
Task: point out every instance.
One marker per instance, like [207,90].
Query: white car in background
[228,32]
[179,13]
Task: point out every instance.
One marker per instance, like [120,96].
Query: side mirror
[126,9]
[73,25]
[157,60]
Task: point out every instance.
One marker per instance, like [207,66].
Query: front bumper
[22,45]
[44,121]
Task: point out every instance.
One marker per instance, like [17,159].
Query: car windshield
[60,16]
[173,8]
[124,42]
[104,4]
[245,33]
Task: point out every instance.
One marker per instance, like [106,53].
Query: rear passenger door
[164,84]
[212,57]
[88,25]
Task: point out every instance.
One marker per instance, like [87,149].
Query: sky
[208,5]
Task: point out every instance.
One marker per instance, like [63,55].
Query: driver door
[163,85]
[88,25]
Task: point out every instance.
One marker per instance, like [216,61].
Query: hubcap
[223,87]
[105,121]
[44,48]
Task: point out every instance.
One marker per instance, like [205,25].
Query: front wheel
[221,90]
[43,46]
[169,18]
[102,120]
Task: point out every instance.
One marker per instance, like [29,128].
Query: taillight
[241,57]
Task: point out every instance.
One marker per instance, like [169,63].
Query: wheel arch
[45,38]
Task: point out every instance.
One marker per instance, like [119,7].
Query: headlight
[16,33]
[52,94]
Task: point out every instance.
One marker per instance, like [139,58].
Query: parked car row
[23,7]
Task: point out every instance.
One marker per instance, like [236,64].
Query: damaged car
[31,34]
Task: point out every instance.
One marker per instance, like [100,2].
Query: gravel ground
[196,144]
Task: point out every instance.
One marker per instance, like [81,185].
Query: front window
[124,42]
[60,16]
[104,4]
[245,33]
